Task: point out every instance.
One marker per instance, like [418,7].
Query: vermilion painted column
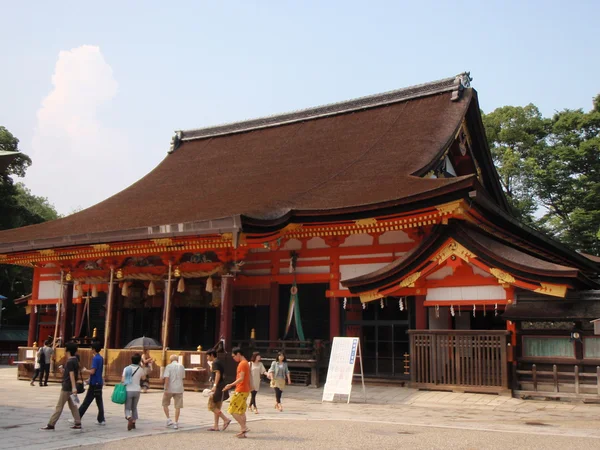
[226,323]
[33,319]
[274,312]
[420,313]
[32,326]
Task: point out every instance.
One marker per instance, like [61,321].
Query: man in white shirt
[173,376]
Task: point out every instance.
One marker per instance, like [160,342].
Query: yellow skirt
[278,383]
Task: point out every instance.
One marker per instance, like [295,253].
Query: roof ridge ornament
[461,82]
[175,141]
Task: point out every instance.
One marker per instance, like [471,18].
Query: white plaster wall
[466,293]
[292,244]
[356,240]
[483,273]
[394,237]
[371,255]
[49,289]
[356,270]
[442,273]
[316,242]
[310,269]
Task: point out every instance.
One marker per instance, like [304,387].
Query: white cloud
[78,160]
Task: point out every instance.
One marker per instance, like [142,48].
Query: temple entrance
[247,318]
[193,327]
[140,322]
[384,337]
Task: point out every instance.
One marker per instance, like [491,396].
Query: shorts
[212,405]
[238,403]
[178,398]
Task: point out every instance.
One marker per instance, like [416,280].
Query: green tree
[18,207]
[550,170]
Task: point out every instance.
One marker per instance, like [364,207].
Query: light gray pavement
[23,409]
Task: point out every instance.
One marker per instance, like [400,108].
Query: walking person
[239,399]
[173,377]
[68,391]
[257,369]
[279,372]
[133,374]
[37,366]
[148,366]
[96,383]
[45,367]
[215,401]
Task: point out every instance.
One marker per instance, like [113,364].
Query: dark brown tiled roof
[555,310]
[342,156]
[492,251]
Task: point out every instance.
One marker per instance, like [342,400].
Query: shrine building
[380,217]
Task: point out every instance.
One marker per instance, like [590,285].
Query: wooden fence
[305,358]
[570,381]
[459,360]
[117,359]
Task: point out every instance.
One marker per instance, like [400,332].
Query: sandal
[213,429]
[225,425]
[242,434]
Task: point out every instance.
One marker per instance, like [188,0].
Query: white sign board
[195,359]
[344,352]
[28,354]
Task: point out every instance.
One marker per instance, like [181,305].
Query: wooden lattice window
[548,347]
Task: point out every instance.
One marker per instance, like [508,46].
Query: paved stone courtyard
[391,416]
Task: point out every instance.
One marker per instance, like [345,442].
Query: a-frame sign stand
[340,373]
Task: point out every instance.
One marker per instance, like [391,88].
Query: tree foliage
[550,169]
[18,207]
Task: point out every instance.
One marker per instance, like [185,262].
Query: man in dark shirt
[215,401]
[94,392]
[69,388]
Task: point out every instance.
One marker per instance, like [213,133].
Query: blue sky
[99,115]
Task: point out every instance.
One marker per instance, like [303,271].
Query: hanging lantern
[68,277]
[437,311]
[151,289]
[181,285]
[209,284]
[401,304]
[177,272]
[94,290]
[496,309]
[345,302]
[381,303]
[125,290]
[452,310]
[120,273]
[474,310]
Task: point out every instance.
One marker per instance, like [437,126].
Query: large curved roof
[347,155]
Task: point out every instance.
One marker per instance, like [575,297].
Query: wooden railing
[302,356]
[570,381]
[460,360]
[117,359]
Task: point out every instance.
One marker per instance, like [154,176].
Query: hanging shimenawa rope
[294,308]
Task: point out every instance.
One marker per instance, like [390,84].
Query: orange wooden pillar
[274,312]
[33,317]
[226,322]
[33,325]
